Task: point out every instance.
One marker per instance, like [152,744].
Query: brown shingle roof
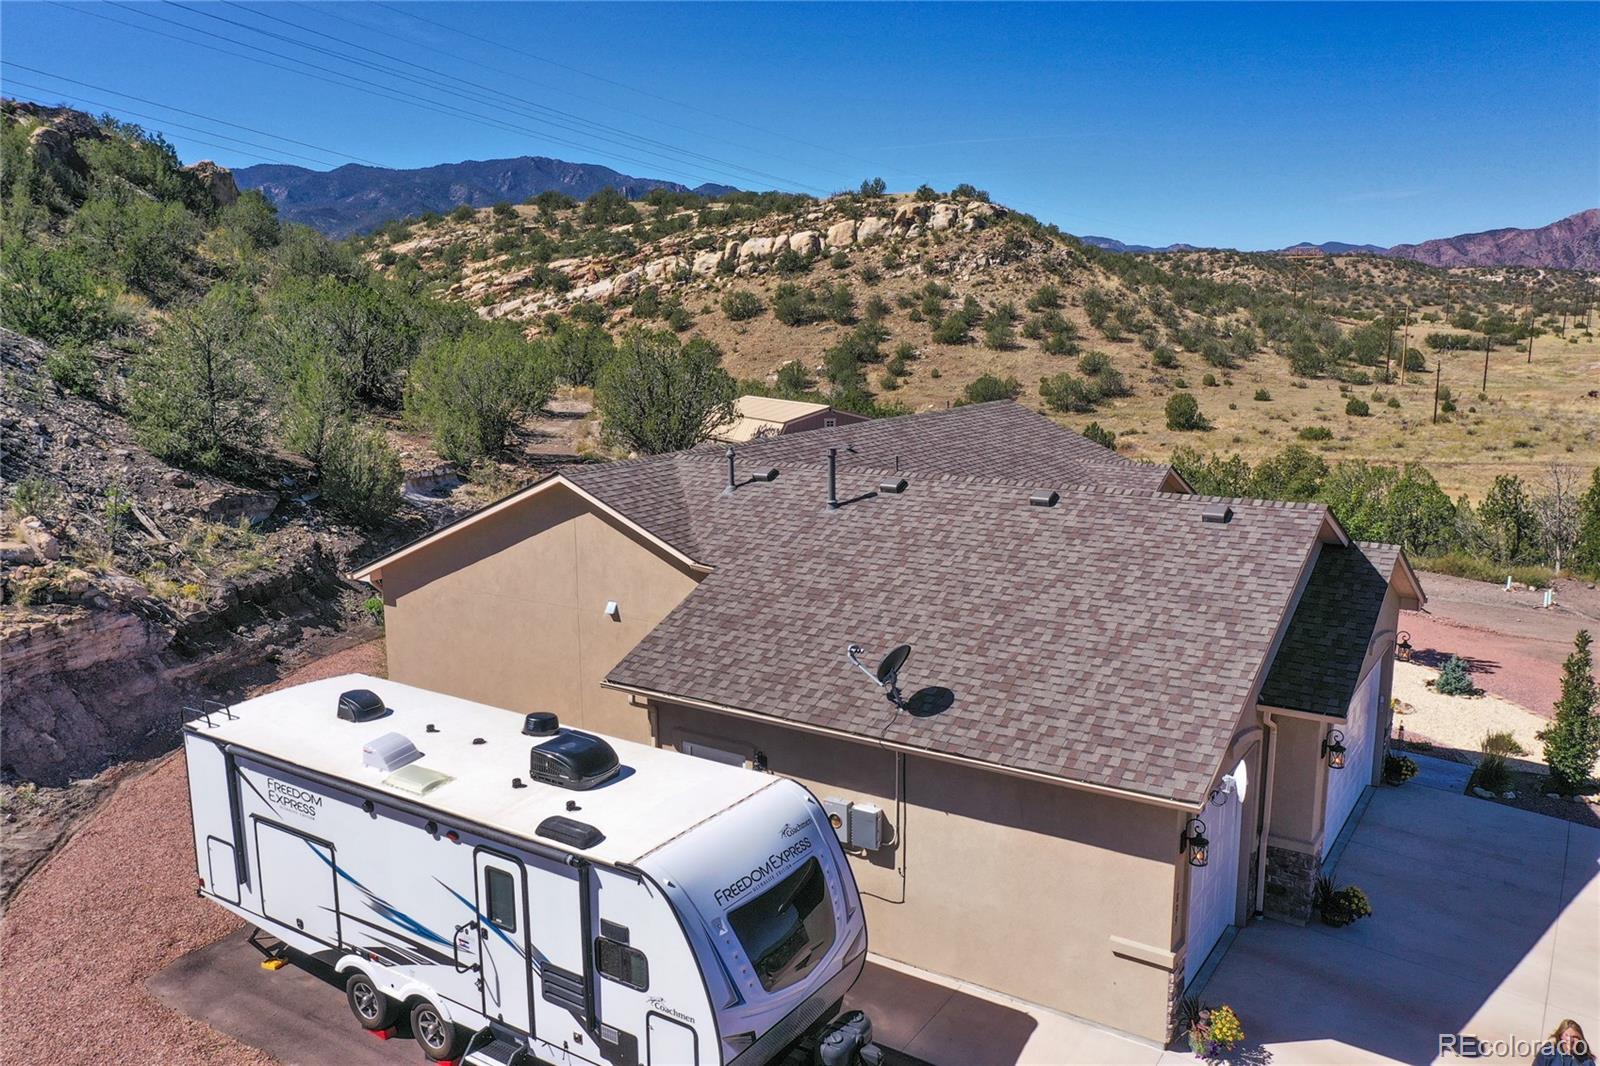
[1318,665]
[1001,439]
[1112,639]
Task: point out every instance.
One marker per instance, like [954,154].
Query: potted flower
[1211,1031]
[1341,906]
[1398,769]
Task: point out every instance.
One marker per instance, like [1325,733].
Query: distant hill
[1573,243]
[356,199]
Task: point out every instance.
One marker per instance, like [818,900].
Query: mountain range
[1571,243]
[356,199]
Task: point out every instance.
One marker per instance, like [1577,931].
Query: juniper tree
[1572,740]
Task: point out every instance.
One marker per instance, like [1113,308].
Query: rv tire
[372,1008]
[439,1037]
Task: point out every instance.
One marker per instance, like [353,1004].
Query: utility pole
[1485,364]
[1530,343]
[1438,376]
[1388,354]
[1405,345]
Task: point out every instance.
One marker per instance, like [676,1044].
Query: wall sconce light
[1195,843]
[1402,649]
[1333,749]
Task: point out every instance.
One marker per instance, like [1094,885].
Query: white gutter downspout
[1271,777]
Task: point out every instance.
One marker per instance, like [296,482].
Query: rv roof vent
[361,705]
[569,831]
[389,752]
[541,724]
[417,780]
[573,760]
[1217,512]
[1044,498]
[892,487]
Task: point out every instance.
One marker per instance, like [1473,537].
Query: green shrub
[1263,396]
[1094,362]
[52,294]
[1100,435]
[1209,380]
[577,351]
[360,474]
[1572,740]
[503,209]
[373,606]
[1069,393]
[1491,774]
[793,378]
[33,496]
[952,329]
[1046,298]
[740,305]
[1315,433]
[1164,358]
[1454,680]
[463,213]
[989,387]
[1477,568]
[659,394]
[1183,413]
[1357,408]
[72,367]
[470,391]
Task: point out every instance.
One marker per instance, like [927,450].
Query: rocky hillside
[355,198]
[1572,243]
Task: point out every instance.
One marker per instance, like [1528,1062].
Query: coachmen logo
[293,798]
[795,827]
[660,1005]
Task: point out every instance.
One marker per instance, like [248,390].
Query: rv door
[556,920]
[502,940]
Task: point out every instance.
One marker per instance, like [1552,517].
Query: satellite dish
[889,668]
[887,676]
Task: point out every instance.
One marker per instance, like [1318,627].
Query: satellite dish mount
[887,675]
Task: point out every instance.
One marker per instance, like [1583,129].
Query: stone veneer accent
[1175,990]
[1291,884]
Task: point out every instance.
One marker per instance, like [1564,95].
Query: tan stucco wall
[510,610]
[1014,884]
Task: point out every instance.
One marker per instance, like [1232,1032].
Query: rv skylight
[417,780]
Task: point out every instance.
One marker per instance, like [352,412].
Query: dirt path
[113,906]
[1513,646]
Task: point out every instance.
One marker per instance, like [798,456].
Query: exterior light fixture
[1195,843]
[1333,749]
[1402,649]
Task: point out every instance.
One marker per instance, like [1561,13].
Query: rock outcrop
[217,180]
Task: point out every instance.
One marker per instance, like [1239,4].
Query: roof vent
[1217,512]
[573,760]
[361,705]
[541,724]
[769,474]
[1044,498]
[892,488]
[569,831]
[389,752]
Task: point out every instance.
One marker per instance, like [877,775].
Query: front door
[502,939]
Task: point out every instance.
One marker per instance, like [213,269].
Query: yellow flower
[1225,1027]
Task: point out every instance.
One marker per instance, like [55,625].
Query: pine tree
[1572,741]
[1453,678]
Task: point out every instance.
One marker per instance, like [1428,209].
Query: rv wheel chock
[276,953]
[273,964]
[383,1034]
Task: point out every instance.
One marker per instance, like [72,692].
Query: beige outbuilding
[1131,718]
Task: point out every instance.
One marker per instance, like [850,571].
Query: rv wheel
[372,1008]
[439,1039]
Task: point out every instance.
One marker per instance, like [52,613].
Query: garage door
[1345,786]
[1214,887]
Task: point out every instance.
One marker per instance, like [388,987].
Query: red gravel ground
[113,906]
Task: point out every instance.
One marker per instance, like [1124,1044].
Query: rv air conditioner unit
[361,705]
[857,825]
[573,760]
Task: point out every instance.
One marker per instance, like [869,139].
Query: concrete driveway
[1487,922]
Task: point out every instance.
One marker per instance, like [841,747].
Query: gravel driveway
[116,904]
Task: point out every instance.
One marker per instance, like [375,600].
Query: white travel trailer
[519,889]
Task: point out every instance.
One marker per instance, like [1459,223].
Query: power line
[562,120]
[347,81]
[433,49]
[271,158]
[181,111]
[566,116]
[85,101]
[624,85]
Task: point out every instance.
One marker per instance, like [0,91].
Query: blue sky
[1251,125]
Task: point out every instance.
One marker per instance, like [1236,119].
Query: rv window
[500,899]
[787,928]
[622,963]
